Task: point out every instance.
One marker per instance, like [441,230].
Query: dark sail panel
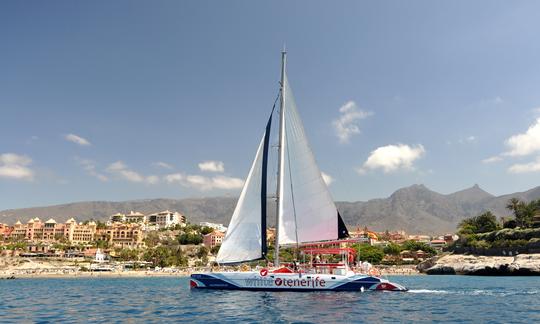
[343,232]
[264,172]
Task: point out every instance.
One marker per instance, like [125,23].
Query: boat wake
[427,291]
[477,292]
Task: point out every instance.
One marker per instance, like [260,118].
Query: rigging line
[292,198]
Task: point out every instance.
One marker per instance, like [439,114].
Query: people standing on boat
[295,265]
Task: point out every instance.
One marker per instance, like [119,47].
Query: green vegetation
[190,238]
[392,249]
[128,254]
[484,232]
[415,246]
[371,254]
[166,256]
[523,212]
[482,223]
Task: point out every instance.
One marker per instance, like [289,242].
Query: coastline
[480,265]
[86,275]
[44,269]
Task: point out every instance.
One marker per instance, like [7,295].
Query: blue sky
[117,100]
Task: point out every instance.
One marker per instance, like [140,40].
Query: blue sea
[169,299]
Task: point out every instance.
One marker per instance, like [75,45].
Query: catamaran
[306,213]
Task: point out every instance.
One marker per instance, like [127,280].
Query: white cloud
[77,140]
[15,166]
[212,166]
[174,177]
[152,179]
[121,170]
[470,139]
[90,167]
[327,178]
[205,183]
[525,143]
[346,125]
[391,158]
[492,159]
[163,165]
[227,183]
[525,167]
[209,183]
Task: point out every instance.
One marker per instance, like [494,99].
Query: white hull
[290,281]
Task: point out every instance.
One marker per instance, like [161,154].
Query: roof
[50,221]
[438,241]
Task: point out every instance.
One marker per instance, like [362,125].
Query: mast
[281,153]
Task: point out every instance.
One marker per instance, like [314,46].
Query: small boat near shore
[306,214]
[9,278]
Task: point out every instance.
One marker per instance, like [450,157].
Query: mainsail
[246,236]
[307,212]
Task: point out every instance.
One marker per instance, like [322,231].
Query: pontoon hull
[290,282]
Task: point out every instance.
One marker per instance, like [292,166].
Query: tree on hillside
[486,222]
[190,238]
[523,212]
[412,245]
[206,230]
[392,249]
[371,254]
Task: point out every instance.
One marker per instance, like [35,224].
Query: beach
[56,268]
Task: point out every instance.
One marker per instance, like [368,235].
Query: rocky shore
[460,264]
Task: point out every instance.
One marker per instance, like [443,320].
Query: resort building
[122,235]
[420,238]
[135,217]
[18,232]
[5,231]
[213,239]
[437,244]
[364,236]
[132,217]
[217,227]
[117,218]
[79,233]
[166,219]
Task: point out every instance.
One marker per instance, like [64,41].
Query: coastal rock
[520,265]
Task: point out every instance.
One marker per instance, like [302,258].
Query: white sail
[307,211]
[243,241]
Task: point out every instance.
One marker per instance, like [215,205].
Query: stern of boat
[390,286]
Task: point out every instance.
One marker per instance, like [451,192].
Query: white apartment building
[166,219]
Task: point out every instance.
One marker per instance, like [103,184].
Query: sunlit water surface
[430,299]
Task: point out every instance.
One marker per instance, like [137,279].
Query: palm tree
[513,205]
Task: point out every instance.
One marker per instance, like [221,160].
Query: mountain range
[415,209]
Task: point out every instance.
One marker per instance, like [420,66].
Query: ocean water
[134,300]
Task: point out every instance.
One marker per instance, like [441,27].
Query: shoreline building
[79,233]
[132,217]
[166,219]
[5,231]
[50,231]
[122,235]
[213,239]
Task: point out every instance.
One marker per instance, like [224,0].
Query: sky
[121,100]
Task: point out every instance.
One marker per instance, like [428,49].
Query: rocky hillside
[415,209]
